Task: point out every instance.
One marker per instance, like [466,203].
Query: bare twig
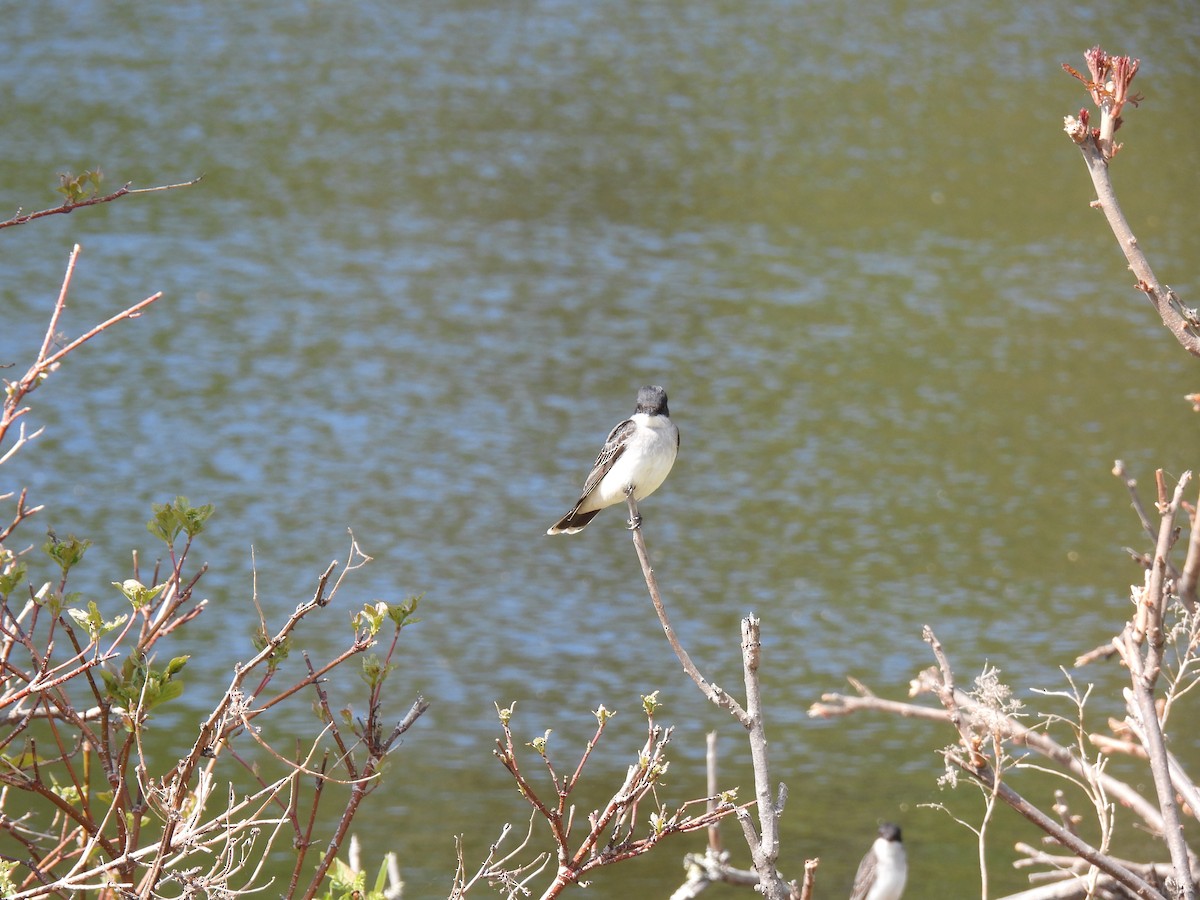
[22,512]
[610,835]
[1135,500]
[1134,882]
[1145,635]
[714,693]
[1069,880]
[713,867]
[71,206]
[1109,88]
[764,849]
[832,705]
[47,362]
[972,760]
[810,878]
[1190,577]
[763,844]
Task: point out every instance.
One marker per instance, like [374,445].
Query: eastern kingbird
[638,453]
[882,872]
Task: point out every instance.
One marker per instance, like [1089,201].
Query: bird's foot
[635,518]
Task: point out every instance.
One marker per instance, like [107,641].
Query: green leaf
[137,593]
[381,879]
[370,617]
[170,519]
[402,614]
[8,887]
[66,552]
[77,188]
[91,619]
[24,760]
[261,641]
[141,685]
[166,692]
[374,671]
[12,579]
[50,599]
[344,882]
[650,703]
[539,744]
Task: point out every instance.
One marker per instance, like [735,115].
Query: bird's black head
[652,400]
[890,832]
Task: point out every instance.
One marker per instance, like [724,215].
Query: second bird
[884,870]
[639,453]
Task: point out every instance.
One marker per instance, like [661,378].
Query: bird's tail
[572,522]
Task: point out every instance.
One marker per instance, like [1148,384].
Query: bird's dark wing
[865,877]
[614,446]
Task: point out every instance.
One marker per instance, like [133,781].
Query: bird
[883,871]
[637,456]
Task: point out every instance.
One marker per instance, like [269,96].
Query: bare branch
[1109,88]
[764,845]
[71,206]
[710,690]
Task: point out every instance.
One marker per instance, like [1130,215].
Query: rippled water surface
[437,248]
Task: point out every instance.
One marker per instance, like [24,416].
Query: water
[437,249]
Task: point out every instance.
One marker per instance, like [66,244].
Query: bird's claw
[635,520]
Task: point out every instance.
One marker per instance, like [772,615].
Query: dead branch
[611,834]
[764,842]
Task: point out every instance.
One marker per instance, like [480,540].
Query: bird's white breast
[891,871]
[645,463]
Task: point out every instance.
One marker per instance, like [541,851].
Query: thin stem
[711,691]
[710,769]
[1076,845]
[69,206]
[764,849]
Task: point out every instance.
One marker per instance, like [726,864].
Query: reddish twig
[72,205]
[46,362]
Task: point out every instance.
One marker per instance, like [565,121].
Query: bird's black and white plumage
[883,871]
[639,453]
